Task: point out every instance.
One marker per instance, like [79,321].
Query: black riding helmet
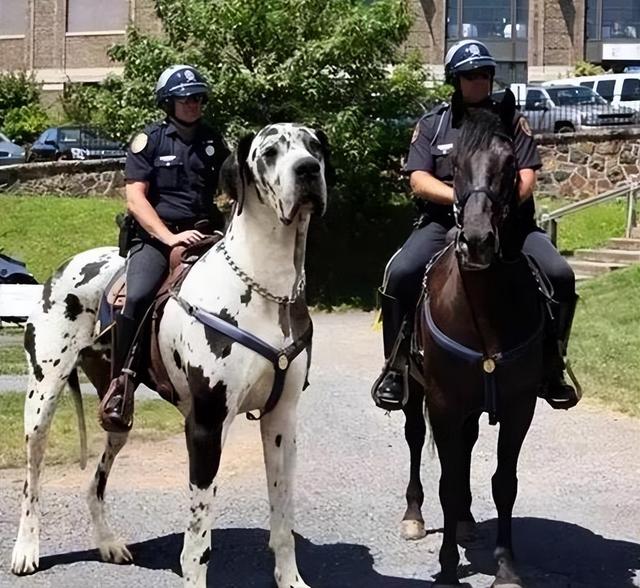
[179,81]
[467,55]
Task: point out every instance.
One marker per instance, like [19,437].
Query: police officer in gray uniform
[171,175]
[470,68]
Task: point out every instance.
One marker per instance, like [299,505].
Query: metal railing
[630,191]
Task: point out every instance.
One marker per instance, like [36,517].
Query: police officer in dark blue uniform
[171,176]
[470,68]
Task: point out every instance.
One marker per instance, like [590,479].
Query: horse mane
[479,127]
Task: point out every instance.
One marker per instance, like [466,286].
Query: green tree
[335,64]
[16,90]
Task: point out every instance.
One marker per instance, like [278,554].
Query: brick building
[62,40]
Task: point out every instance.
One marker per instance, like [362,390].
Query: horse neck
[271,253]
[497,300]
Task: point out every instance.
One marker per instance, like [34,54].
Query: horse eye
[271,152]
[315,147]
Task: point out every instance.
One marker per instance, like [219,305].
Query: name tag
[167,157]
[446,147]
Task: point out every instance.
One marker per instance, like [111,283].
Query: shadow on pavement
[241,558]
[555,553]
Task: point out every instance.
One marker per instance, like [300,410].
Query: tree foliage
[16,90]
[334,64]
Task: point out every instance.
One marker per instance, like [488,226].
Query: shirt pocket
[442,166]
[169,173]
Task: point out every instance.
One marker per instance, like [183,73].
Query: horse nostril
[307,167]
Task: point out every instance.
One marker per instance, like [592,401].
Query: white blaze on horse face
[287,162]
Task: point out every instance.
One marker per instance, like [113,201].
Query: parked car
[569,108]
[74,142]
[13,271]
[622,89]
[10,153]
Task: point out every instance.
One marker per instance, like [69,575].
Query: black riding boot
[557,391]
[390,391]
[116,409]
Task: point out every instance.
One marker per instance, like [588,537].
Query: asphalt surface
[577,517]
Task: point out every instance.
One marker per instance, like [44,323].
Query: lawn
[605,347]
[154,419]
[43,231]
[587,228]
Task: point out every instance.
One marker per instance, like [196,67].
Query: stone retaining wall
[575,165]
[65,178]
[578,165]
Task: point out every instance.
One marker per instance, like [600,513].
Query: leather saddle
[151,370]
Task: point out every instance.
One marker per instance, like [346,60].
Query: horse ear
[329,170]
[457,108]
[235,174]
[507,110]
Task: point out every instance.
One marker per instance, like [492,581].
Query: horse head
[485,184]
[285,167]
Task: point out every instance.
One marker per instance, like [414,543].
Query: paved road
[577,519]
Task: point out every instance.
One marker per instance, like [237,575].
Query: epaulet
[435,111]
[154,127]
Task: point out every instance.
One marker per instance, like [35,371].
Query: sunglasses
[197,99]
[472,76]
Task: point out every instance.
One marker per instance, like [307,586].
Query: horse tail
[74,386]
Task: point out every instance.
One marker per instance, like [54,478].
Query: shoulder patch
[523,124]
[139,142]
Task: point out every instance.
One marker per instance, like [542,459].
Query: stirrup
[572,399]
[389,404]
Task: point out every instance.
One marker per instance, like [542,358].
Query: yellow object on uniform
[139,142]
[377,321]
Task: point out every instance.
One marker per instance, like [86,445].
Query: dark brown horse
[480,325]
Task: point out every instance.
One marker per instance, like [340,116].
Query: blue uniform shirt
[183,177]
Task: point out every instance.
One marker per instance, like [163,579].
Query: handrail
[549,220]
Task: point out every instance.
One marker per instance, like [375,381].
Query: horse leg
[111,547]
[278,429]
[49,363]
[412,526]
[466,527]
[205,430]
[513,429]
[448,438]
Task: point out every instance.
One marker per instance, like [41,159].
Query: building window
[476,19]
[591,20]
[621,19]
[13,17]
[87,16]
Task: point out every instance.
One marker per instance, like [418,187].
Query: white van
[622,89]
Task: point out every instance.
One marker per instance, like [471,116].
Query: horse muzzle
[476,252]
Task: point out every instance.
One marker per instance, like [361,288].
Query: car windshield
[574,95]
[78,136]
[4,138]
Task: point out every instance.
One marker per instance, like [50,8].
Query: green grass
[605,348]
[154,420]
[12,360]
[587,228]
[43,231]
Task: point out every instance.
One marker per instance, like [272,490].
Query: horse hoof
[115,551]
[25,559]
[412,530]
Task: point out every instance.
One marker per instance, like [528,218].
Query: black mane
[479,127]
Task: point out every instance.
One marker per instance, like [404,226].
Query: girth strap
[489,364]
[281,359]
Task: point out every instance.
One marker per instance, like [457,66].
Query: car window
[4,138]
[605,88]
[587,84]
[69,136]
[573,95]
[534,96]
[630,89]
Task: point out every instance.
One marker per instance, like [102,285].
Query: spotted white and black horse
[252,283]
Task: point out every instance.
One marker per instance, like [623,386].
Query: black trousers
[405,270]
[147,266]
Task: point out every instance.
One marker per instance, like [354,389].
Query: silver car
[569,108]
[10,152]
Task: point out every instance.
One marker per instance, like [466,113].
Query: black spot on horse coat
[90,271]
[30,348]
[73,308]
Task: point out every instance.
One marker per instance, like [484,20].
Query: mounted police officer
[171,176]
[470,68]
